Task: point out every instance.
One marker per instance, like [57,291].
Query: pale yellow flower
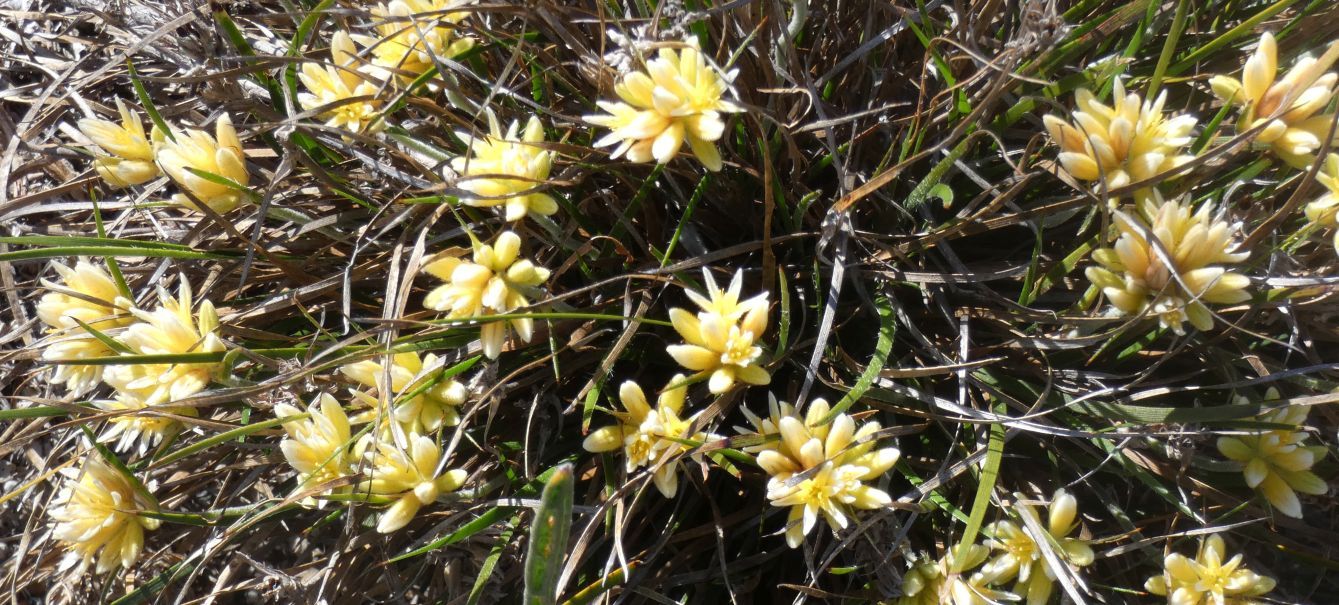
[494,284]
[408,469]
[821,469]
[220,155]
[721,338]
[173,328]
[505,169]
[1278,462]
[318,447]
[85,294]
[1135,278]
[678,98]
[935,582]
[1208,579]
[1124,143]
[437,406]
[1021,556]
[648,435]
[127,155]
[133,429]
[97,514]
[1323,210]
[414,35]
[1288,108]
[335,84]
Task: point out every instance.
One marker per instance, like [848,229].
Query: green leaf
[110,342]
[931,186]
[119,251]
[147,102]
[490,562]
[985,486]
[38,411]
[548,539]
[214,440]
[882,348]
[601,586]
[76,240]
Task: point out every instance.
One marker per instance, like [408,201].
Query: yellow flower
[506,170]
[647,435]
[1022,556]
[1287,109]
[677,98]
[721,338]
[220,156]
[318,446]
[1127,142]
[131,426]
[414,35]
[1278,463]
[1323,210]
[408,470]
[85,294]
[437,406]
[494,284]
[1207,579]
[97,514]
[127,156]
[337,83]
[821,469]
[1135,278]
[170,329]
[934,582]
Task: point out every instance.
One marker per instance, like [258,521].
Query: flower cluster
[1127,142]
[407,469]
[1020,555]
[318,445]
[1277,461]
[494,283]
[421,398]
[944,582]
[343,94]
[1165,264]
[91,319]
[126,157]
[650,437]
[399,464]
[819,467]
[506,169]
[721,338]
[678,98]
[1208,579]
[98,514]
[658,437]
[211,170]
[414,36]
[1283,113]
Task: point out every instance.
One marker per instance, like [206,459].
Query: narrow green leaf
[882,348]
[548,539]
[110,342]
[214,440]
[147,101]
[985,486]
